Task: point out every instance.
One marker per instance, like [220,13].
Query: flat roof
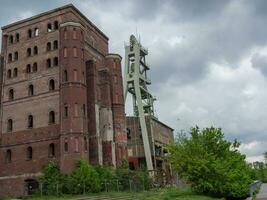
[55,10]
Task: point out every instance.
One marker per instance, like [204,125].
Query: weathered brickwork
[61,98]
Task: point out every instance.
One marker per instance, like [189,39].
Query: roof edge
[55,10]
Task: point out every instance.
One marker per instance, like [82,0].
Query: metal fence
[115,185]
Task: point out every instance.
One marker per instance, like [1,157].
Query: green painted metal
[136,83]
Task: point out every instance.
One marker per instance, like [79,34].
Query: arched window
[9,73]
[66,145]
[29,153]
[75,54]
[8,156]
[48,46]
[51,150]
[16,56]
[83,77]
[36,32]
[65,76]
[34,67]
[66,110]
[49,28]
[55,61]
[48,63]
[74,34]
[29,33]
[11,40]
[65,34]
[17,37]
[10,57]
[51,117]
[31,90]
[55,45]
[30,121]
[29,52]
[28,68]
[56,25]
[51,84]
[15,72]
[11,95]
[65,52]
[35,50]
[9,125]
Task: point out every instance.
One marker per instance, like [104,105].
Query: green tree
[265,157]
[51,179]
[211,164]
[84,178]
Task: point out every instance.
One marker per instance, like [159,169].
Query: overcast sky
[208,58]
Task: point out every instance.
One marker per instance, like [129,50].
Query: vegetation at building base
[86,178]
[153,194]
[211,164]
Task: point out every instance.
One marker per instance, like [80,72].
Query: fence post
[41,188]
[57,189]
[130,184]
[83,188]
[118,185]
[106,186]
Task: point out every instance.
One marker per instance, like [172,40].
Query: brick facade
[74,110]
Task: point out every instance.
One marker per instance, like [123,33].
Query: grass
[156,194]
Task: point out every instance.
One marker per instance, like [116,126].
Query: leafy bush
[211,164]
[51,179]
[83,178]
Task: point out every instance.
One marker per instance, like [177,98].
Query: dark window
[74,36]
[28,69]
[34,67]
[8,156]
[15,72]
[51,84]
[51,150]
[51,117]
[129,136]
[66,111]
[31,90]
[55,61]
[30,121]
[55,44]
[49,27]
[11,40]
[29,153]
[35,50]
[11,94]
[16,56]
[9,73]
[56,25]
[65,76]
[48,63]
[36,32]
[66,145]
[48,46]
[29,33]
[10,57]
[17,37]
[9,125]
[29,52]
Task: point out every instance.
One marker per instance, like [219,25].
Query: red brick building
[61,98]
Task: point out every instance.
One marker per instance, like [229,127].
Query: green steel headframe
[136,83]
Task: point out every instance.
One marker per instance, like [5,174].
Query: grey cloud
[260,62]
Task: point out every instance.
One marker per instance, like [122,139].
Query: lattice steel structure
[136,83]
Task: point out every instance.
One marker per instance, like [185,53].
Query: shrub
[83,178]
